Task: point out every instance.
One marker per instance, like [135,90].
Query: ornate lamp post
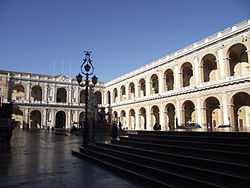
[87,69]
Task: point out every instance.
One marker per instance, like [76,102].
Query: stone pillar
[148,117]
[54,92]
[26,115]
[28,92]
[76,116]
[45,98]
[77,95]
[44,122]
[227,66]
[70,94]
[225,109]
[148,86]
[136,89]
[176,78]
[161,82]
[127,119]
[53,118]
[137,118]
[178,113]
[118,99]
[220,62]
[162,117]
[127,91]
[199,111]
[68,119]
[197,71]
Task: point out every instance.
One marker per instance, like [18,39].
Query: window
[1,78]
[1,89]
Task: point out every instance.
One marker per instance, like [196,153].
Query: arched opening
[210,71]
[170,116]
[123,119]
[61,95]
[241,110]
[142,118]
[98,96]
[131,90]
[188,111]
[123,93]
[187,74]
[83,97]
[169,76]
[36,93]
[155,115]
[108,97]
[238,60]
[18,93]
[35,119]
[212,106]
[132,119]
[142,88]
[154,84]
[115,116]
[60,119]
[115,96]
[18,117]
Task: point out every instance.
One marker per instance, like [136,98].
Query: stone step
[164,177]
[227,156]
[193,172]
[190,143]
[210,139]
[198,133]
[213,165]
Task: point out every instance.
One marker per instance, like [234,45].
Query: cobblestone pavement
[37,158]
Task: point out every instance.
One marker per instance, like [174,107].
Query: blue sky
[123,35]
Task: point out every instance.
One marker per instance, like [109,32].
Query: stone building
[44,101]
[207,82]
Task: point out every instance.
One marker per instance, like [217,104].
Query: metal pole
[86,126]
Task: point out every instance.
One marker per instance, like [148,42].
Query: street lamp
[87,69]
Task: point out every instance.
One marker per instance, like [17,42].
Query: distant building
[207,82]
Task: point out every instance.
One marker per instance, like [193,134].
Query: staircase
[177,159]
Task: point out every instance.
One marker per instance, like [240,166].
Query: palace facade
[207,82]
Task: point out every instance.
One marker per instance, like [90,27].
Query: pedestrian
[114,130]
[53,130]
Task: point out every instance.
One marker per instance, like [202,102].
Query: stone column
[70,94]
[127,119]
[199,111]
[148,117]
[136,89]
[220,62]
[162,116]
[197,71]
[54,92]
[28,92]
[26,115]
[161,82]
[137,118]
[225,109]
[44,118]
[77,95]
[127,91]
[76,116]
[45,98]
[176,78]
[178,113]
[148,86]
[53,118]
[68,119]
[227,66]
[118,99]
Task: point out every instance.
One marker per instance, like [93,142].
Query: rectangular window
[1,78]
[1,89]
